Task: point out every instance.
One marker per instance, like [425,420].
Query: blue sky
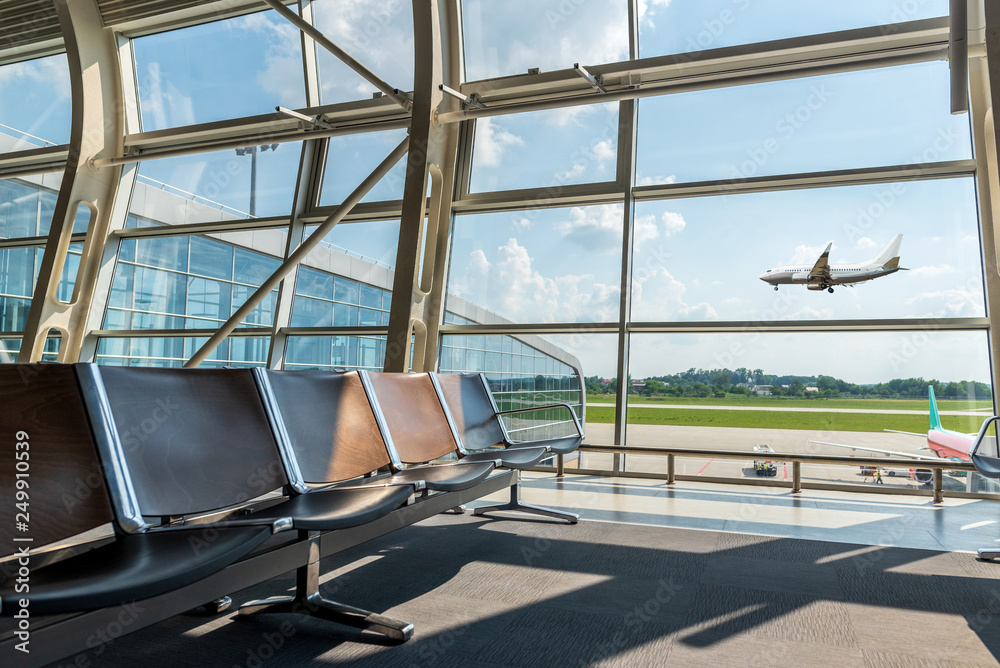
[695,259]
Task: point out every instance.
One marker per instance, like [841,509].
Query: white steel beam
[421,258]
[97,129]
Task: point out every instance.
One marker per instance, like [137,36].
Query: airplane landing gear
[776,288]
[830,290]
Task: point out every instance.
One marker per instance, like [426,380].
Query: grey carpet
[525,592]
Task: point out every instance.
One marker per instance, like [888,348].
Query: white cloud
[571,174]
[660,296]
[673,223]
[865,243]
[657,180]
[604,150]
[930,273]
[647,10]
[596,228]
[282,76]
[952,302]
[527,295]
[491,142]
[808,254]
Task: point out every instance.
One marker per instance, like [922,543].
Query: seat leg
[989,553]
[515,503]
[309,601]
[212,608]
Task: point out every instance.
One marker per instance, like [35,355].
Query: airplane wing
[822,267]
[908,433]
[880,451]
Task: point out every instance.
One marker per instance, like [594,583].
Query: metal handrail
[982,434]
[796,460]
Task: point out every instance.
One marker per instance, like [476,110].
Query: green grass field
[784,419]
[768,402]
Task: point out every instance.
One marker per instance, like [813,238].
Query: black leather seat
[132,568]
[478,420]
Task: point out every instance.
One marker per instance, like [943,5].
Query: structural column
[97,131]
[418,285]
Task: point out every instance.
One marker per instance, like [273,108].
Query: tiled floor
[871,519]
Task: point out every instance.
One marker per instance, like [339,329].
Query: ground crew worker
[878,477]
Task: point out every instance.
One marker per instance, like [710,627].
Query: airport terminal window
[217,186]
[239,351]
[879,117]
[256,65]
[18,274]
[27,204]
[686,269]
[546,149]
[504,38]
[351,158]
[326,297]
[378,33]
[540,265]
[335,352]
[866,382]
[176,283]
[693,27]
[35,105]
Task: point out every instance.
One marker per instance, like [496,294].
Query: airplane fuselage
[839,274]
[949,444]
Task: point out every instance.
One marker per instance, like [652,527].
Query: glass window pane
[692,27]
[706,258]
[335,352]
[510,37]
[352,266]
[256,64]
[545,265]
[377,33]
[886,116]
[35,105]
[352,158]
[546,149]
[804,393]
[239,351]
[236,184]
[160,289]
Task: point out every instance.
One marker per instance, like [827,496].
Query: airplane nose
[764,277]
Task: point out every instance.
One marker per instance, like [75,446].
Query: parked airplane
[944,443]
[822,276]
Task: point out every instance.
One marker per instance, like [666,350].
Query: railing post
[796,477]
[938,486]
[670,470]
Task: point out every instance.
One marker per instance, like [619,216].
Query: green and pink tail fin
[935,417]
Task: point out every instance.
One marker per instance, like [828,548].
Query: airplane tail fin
[935,417]
[890,251]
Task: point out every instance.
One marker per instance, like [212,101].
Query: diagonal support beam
[299,254]
[324,41]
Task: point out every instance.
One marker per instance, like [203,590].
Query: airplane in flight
[823,276]
[944,443]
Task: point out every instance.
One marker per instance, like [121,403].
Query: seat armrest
[417,485]
[572,413]
[277,525]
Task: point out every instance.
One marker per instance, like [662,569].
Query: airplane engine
[815,286]
[924,476]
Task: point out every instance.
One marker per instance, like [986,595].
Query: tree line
[723,382]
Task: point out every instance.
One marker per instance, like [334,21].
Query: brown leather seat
[335,434]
